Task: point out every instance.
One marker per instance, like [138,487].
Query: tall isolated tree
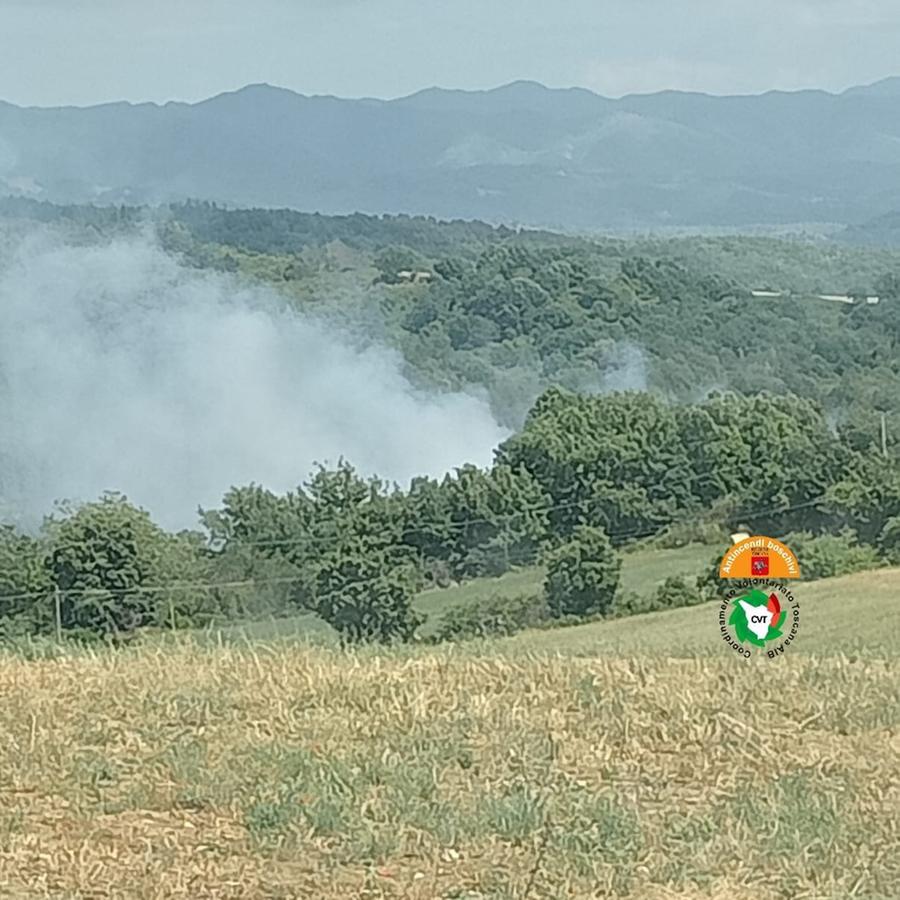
[365,596]
[366,576]
[342,538]
[582,574]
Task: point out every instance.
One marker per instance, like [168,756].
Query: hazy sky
[87,51]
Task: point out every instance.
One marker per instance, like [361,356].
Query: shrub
[830,555]
[497,616]
[582,574]
[889,541]
[708,585]
[632,604]
[676,591]
[436,572]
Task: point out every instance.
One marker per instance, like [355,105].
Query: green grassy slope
[642,571]
[857,614]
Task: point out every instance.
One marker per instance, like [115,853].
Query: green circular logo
[759,618]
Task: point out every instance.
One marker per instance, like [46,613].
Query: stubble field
[526,768]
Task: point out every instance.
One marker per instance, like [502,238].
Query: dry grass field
[526,769]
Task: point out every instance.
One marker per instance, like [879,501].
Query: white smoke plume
[627,370]
[121,370]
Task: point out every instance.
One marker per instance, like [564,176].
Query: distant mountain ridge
[522,154]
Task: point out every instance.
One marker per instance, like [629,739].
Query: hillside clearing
[851,615]
[642,571]
[858,614]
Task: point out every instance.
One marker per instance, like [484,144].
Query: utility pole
[58,610]
[884,444]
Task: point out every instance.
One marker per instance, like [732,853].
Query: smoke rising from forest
[627,370]
[121,370]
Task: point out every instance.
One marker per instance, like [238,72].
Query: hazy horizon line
[450,90]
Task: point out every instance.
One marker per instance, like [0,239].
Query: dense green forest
[519,312]
[516,312]
[650,392]
[584,478]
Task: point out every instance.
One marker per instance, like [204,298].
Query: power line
[461,524]
[176,587]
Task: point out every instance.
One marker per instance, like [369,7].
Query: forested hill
[520,153]
[795,263]
[515,312]
[882,231]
